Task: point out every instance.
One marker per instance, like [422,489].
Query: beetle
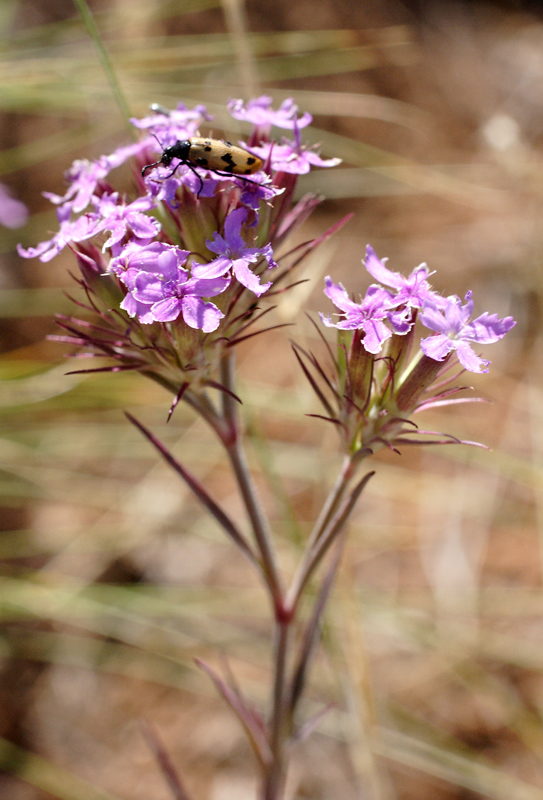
[224,158]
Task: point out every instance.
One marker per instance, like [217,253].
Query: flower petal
[202,315]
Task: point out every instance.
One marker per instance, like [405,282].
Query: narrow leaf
[325,419]
[239,339]
[200,492]
[115,368]
[182,389]
[164,761]
[251,725]
[222,388]
[312,382]
[311,634]
[305,731]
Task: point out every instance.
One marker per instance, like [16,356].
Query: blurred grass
[42,774]
[404,636]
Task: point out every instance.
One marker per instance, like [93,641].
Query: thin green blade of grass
[197,46]
[108,658]
[39,87]
[45,148]
[456,769]
[34,81]
[170,638]
[43,774]
[44,302]
[110,21]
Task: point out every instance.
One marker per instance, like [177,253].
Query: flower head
[292,158]
[260,113]
[234,254]
[70,231]
[170,291]
[376,387]
[366,316]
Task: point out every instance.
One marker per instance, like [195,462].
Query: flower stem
[234,447]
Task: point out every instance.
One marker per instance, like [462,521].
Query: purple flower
[290,157]
[366,316]
[411,292]
[260,113]
[169,291]
[119,218]
[234,254]
[77,231]
[163,186]
[13,213]
[84,176]
[129,261]
[122,154]
[259,188]
[169,126]
[455,332]
[138,255]
[133,307]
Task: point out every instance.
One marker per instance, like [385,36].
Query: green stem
[234,448]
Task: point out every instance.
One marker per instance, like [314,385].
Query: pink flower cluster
[169,277]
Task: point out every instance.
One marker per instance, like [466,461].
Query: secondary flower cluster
[376,385]
[184,261]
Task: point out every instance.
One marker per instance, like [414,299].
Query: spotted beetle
[224,158]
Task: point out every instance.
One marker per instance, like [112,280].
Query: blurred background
[111,579]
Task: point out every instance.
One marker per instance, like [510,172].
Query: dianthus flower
[170,125]
[170,291]
[366,316]
[70,232]
[85,177]
[455,332]
[235,255]
[123,219]
[292,157]
[260,113]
